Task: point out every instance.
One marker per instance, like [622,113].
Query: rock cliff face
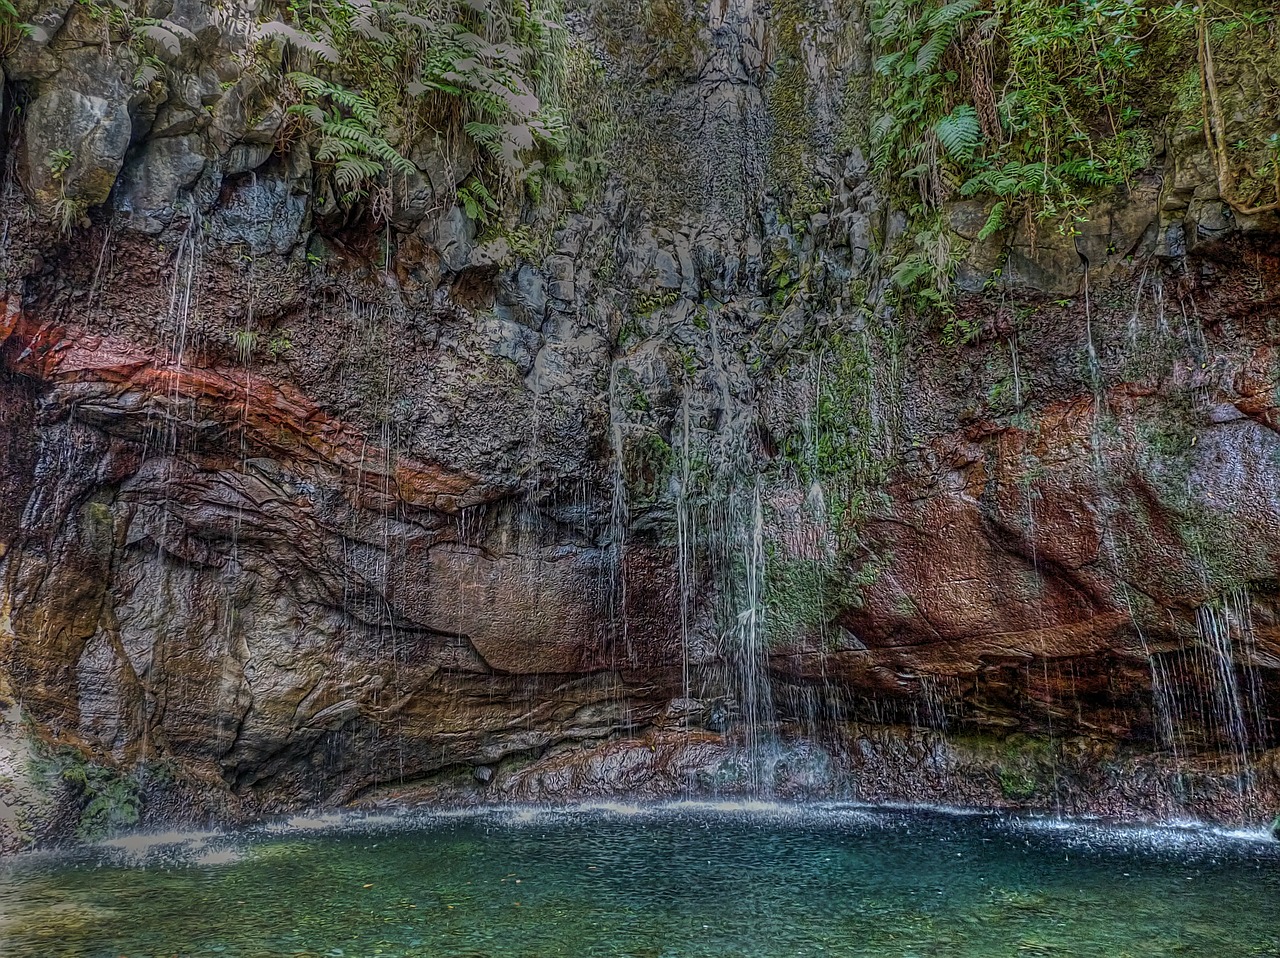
[298,510]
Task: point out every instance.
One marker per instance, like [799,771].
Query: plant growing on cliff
[350,133]
[1001,98]
[12,29]
[375,80]
[836,448]
[66,210]
[1255,188]
[108,799]
[1039,105]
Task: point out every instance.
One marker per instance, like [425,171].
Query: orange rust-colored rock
[98,375]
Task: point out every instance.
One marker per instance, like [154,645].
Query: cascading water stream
[755,693]
[619,516]
[685,554]
[1224,629]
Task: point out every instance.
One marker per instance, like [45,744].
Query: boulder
[154,178]
[73,147]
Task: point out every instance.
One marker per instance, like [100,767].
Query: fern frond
[960,133]
[317,46]
[934,47]
[1089,172]
[995,221]
[952,13]
[351,171]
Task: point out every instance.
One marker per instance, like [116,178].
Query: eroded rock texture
[300,510]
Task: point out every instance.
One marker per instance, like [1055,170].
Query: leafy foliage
[959,133]
[1065,118]
[374,79]
[12,29]
[1036,103]
[351,136]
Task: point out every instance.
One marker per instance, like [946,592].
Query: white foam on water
[214,848]
[1169,836]
[620,809]
[142,843]
[215,857]
[308,823]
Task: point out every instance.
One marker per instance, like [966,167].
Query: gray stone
[1172,243]
[206,21]
[513,341]
[154,177]
[413,197]
[562,285]
[244,157]
[262,212]
[93,130]
[244,112]
[861,241]
[177,119]
[552,371]
[523,294]
[967,218]
[667,272]
[1049,262]
[453,235]
[30,59]
[444,165]
[1208,221]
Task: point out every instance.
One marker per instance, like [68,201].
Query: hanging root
[1215,129]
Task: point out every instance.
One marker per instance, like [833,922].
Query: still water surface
[681,881]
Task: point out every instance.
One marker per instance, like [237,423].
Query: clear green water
[679,882]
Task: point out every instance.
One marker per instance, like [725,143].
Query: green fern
[1089,172]
[995,221]
[403,71]
[960,133]
[1013,180]
[351,138]
[934,46]
[356,103]
[952,13]
[477,202]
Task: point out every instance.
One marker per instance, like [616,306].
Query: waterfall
[685,558]
[755,693]
[619,515]
[1225,631]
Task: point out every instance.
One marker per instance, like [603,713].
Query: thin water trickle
[619,517]
[685,545]
[1017,374]
[1222,627]
[755,688]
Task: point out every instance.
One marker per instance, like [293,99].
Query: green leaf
[995,221]
[960,133]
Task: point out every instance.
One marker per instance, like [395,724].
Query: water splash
[685,551]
